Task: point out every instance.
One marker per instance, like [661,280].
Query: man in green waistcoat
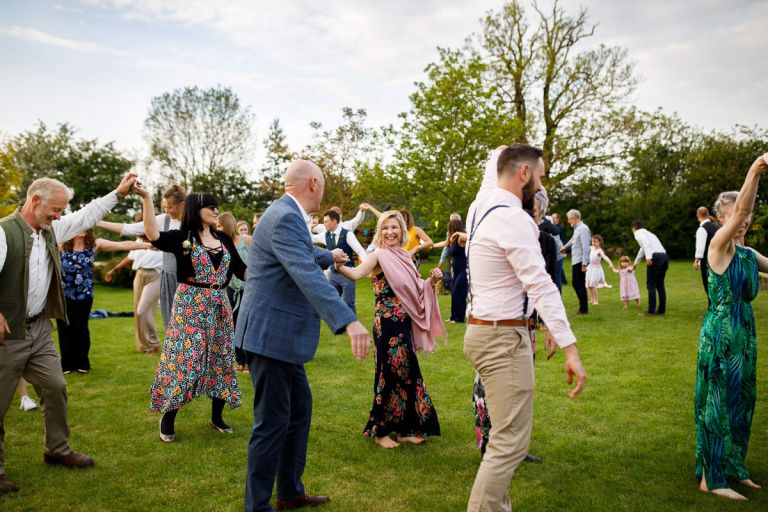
[31,293]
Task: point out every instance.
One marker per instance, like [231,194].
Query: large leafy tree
[437,153]
[89,167]
[566,95]
[195,132]
[278,157]
[10,180]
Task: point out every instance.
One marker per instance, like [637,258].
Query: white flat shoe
[165,437]
[27,404]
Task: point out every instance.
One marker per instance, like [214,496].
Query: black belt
[212,286]
[33,319]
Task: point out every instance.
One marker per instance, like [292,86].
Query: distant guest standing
[656,259]
[579,246]
[704,234]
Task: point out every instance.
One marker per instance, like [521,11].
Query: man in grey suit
[285,296]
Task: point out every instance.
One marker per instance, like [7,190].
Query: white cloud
[35,36]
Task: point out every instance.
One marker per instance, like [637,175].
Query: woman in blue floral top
[198,357]
[77,256]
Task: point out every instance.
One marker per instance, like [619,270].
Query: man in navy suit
[285,296]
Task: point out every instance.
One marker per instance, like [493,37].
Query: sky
[96,64]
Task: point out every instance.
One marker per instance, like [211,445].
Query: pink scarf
[416,294]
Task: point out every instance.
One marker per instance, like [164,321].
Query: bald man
[285,296]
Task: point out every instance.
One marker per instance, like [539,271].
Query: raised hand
[126,184]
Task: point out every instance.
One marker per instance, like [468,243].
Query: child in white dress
[595,277]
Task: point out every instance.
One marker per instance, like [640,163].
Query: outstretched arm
[360,271]
[109,274]
[721,246]
[104,245]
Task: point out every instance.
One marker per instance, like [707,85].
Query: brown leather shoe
[7,485]
[70,460]
[301,502]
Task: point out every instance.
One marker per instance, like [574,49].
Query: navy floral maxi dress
[726,372]
[198,357]
[401,403]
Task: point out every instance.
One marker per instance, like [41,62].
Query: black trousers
[705,280]
[75,338]
[579,283]
[654,282]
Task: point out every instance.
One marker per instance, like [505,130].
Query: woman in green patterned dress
[726,369]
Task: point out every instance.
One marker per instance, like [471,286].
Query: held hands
[126,184]
[435,275]
[360,340]
[339,258]
[461,238]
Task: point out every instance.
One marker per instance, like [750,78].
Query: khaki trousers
[502,356]
[35,358]
[146,293]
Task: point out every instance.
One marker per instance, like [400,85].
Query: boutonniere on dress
[186,246]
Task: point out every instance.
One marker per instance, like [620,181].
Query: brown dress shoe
[301,502]
[7,485]
[70,460]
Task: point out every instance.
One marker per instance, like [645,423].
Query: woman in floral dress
[198,356]
[727,360]
[406,319]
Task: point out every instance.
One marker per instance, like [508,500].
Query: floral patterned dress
[75,336]
[726,372]
[198,356]
[401,403]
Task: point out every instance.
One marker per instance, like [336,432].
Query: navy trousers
[579,283]
[654,281]
[282,411]
[345,287]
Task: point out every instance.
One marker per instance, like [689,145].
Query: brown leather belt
[32,319]
[517,322]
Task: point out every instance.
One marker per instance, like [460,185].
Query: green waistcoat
[14,277]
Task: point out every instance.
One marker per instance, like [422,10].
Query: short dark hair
[333,215]
[636,224]
[195,201]
[512,157]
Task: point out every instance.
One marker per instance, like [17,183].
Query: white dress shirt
[137,228]
[319,238]
[649,245]
[701,241]
[350,224]
[506,265]
[64,229]
[146,259]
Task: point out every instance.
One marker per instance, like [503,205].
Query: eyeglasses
[212,208]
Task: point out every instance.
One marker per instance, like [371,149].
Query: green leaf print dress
[725,375]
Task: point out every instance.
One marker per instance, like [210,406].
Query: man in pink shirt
[508,279]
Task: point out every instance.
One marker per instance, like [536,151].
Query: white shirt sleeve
[137,228]
[319,238]
[701,242]
[641,252]
[355,221]
[355,245]
[85,218]
[3,249]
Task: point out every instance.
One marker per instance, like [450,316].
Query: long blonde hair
[384,217]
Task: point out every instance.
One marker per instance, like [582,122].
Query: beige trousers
[35,358]
[146,293]
[502,356]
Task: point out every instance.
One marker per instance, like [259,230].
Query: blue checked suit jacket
[286,292]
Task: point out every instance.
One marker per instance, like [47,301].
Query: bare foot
[750,483]
[625,306]
[724,493]
[412,439]
[386,442]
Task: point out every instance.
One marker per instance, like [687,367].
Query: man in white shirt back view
[704,234]
[508,279]
[657,264]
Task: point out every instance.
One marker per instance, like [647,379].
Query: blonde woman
[406,319]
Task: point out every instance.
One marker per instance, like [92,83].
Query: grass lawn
[627,443]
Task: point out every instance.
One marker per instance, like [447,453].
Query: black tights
[217,407]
